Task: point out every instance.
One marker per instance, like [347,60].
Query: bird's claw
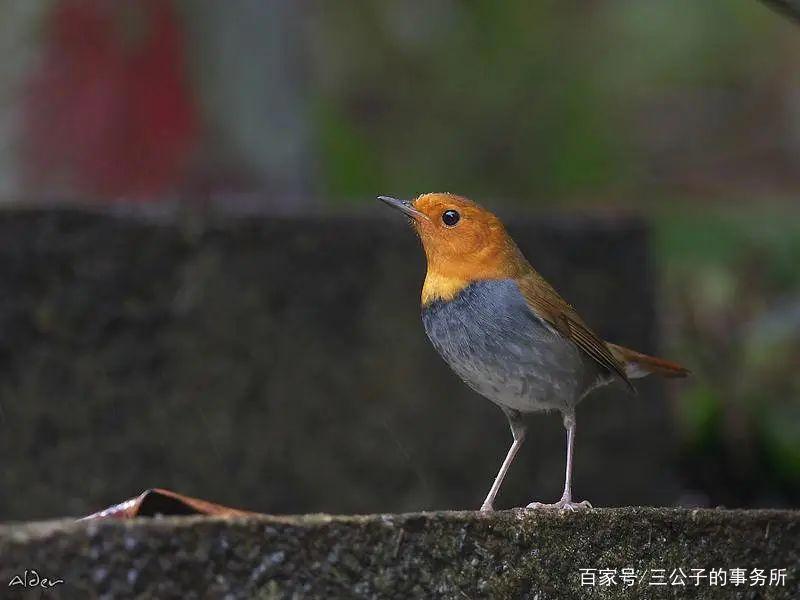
[487,508]
[563,504]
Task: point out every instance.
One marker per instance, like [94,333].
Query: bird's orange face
[463,243]
[455,229]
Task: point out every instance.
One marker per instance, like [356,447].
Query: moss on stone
[509,554]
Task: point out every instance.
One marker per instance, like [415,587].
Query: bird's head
[463,243]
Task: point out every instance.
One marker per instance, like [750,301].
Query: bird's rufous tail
[641,365]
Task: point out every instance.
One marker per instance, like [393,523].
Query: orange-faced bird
[505,331]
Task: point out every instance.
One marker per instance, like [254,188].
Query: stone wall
[512,554]
[279,365]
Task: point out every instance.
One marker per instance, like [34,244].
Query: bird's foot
[563,504]
[486,507]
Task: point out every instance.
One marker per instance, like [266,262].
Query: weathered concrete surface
[279,365]
[512,554]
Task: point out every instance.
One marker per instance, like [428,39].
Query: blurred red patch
[110,111]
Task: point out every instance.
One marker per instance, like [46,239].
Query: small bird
[505,331]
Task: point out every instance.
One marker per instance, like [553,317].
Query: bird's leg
[566,498]
[518,430]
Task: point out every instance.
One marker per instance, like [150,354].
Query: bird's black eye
[450,218]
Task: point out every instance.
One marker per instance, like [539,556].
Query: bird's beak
[404,206]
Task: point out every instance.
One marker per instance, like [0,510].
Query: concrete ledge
[510,554]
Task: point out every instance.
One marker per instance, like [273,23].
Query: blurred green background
[687,111]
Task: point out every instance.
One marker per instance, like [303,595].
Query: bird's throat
[449,273]
[442,287]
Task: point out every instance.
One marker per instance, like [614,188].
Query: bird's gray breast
[501,349]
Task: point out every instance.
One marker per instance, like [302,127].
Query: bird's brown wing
[546,303]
